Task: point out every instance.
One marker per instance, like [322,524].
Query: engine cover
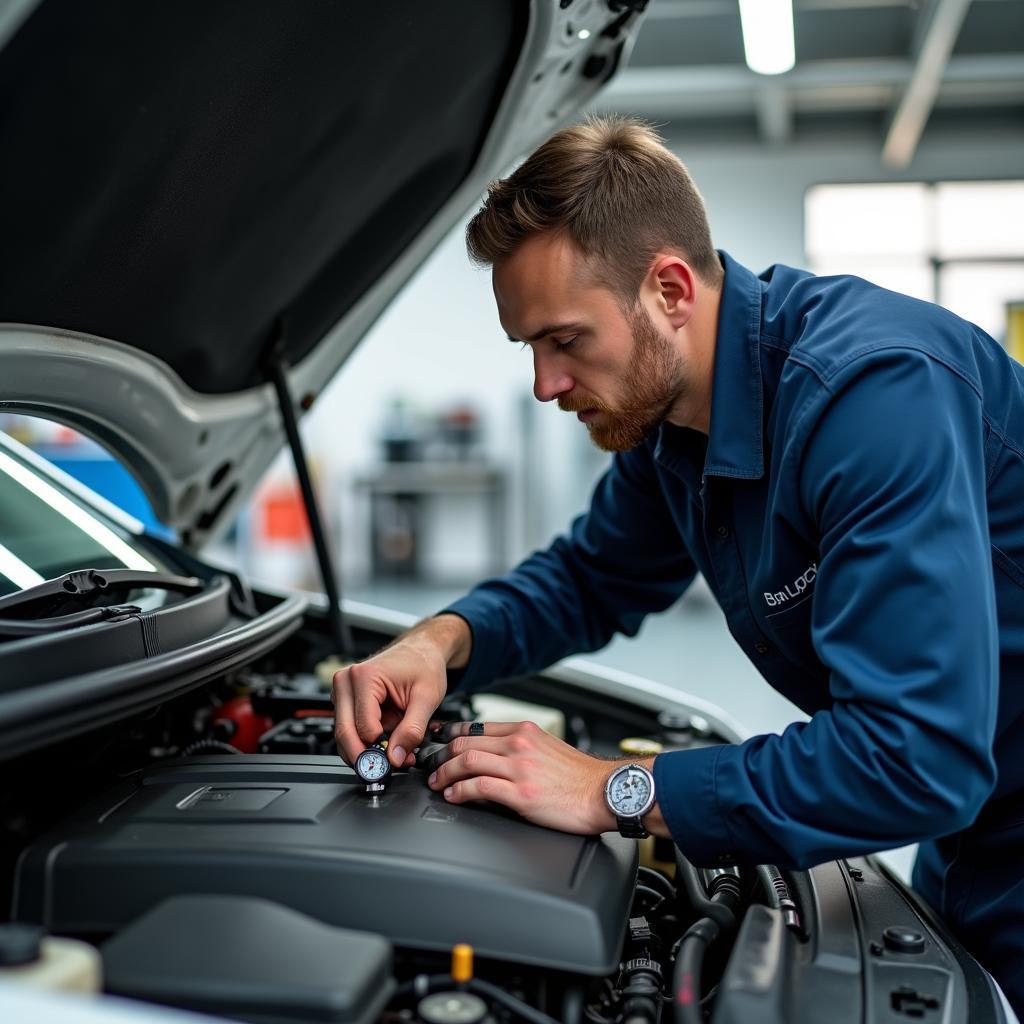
[300,831]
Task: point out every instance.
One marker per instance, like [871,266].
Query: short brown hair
[618,193]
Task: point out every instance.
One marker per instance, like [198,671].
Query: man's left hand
[544,779]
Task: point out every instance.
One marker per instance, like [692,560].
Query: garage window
[946,242]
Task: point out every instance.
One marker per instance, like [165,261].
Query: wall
[441,342]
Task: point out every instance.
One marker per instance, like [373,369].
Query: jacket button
[722,531]
[761,647]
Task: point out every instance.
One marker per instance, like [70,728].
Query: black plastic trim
[983,1006]
[35,661]
[41,715]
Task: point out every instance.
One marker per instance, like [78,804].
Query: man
[844,465]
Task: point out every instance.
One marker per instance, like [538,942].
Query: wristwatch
[630,795]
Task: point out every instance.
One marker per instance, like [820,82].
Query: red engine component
[236,723]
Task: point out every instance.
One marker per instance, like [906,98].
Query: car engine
[223,859]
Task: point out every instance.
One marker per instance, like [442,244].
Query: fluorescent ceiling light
[768,35]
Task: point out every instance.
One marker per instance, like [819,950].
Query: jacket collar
[735,443]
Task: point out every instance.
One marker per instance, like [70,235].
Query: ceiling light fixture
[768,35]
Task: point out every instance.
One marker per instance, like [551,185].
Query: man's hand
[544,779]
[397,690]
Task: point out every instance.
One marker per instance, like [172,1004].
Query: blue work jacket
[858,512]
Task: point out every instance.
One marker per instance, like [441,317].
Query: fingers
[345,735]
[367,700]
[410,731]
[475,756]
[484,787]
[447,731]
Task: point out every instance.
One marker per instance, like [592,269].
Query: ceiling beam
[684,91]
[934,40]
[667,10]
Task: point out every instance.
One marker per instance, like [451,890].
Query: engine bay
[222,858]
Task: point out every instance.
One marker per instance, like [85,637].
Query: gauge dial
[372,765]
[630,792]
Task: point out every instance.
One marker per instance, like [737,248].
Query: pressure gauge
[373,767]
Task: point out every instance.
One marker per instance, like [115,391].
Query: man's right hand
[397,690]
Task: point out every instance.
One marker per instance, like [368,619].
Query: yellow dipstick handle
[462,963]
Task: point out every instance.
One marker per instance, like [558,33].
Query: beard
[653,381]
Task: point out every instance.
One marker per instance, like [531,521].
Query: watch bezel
[648,804]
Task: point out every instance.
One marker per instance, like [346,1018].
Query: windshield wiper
[94,589]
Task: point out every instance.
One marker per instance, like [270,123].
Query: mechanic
[845,467]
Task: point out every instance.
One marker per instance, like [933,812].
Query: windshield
[46,531]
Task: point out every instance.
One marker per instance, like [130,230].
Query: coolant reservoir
[492,708]
[28,956]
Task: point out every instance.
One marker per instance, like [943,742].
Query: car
[205,207]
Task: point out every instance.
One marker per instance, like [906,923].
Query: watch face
[372,765]
[630,792]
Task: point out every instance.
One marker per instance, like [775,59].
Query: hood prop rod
[278,367]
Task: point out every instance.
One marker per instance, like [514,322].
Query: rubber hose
[717,910]
[656,880]
[657,901]
[769,874]
[572,1004]
[686,973]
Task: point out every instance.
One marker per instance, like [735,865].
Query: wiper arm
[86,588]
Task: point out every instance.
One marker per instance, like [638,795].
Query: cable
[656,880]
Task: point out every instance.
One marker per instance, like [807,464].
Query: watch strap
[631,828]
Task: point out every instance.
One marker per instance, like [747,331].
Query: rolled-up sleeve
[621,560]
[892,474]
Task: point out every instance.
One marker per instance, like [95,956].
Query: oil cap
[20,944]
[903,940]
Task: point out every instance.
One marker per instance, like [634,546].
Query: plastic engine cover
[301,831]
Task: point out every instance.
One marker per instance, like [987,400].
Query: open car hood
[188,188]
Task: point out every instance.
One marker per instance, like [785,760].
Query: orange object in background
[282,516]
